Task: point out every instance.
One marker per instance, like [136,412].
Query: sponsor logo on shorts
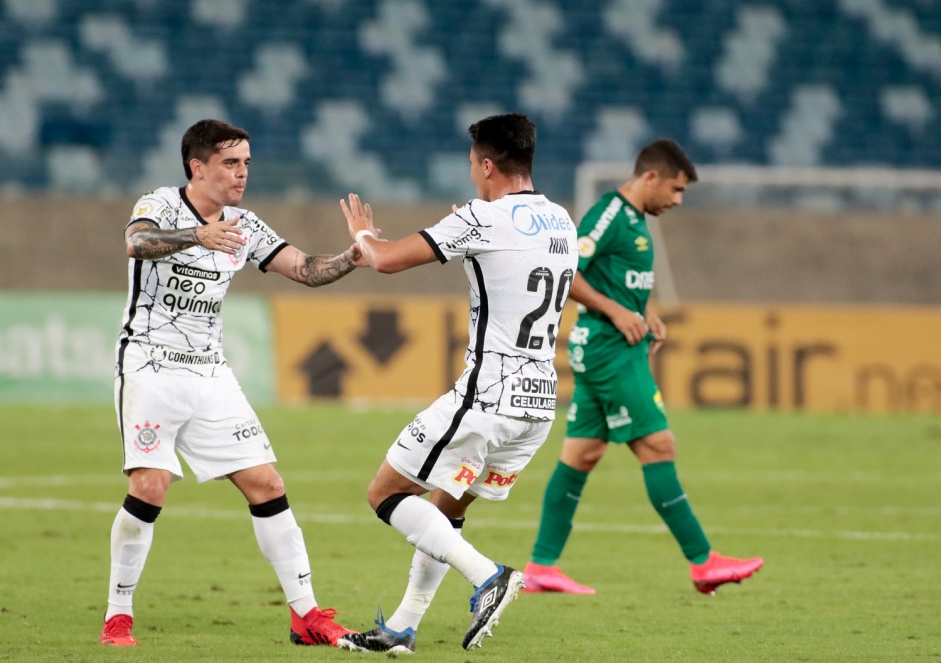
[417,430]
[147,439]
[163,355]
[465,475]
[658,399]
[248,429]
[499,479]
[622,418]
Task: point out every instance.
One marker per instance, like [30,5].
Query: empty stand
[376,95]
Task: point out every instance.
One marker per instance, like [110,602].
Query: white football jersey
[520,254]
[173,317]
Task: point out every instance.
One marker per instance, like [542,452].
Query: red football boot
[718,570]
[117,632]
[316,628]
[539,578]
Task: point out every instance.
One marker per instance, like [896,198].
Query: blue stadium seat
[112,83]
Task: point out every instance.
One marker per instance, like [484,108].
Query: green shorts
[618,402]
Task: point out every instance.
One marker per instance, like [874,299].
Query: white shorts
[208,421]
[462,450]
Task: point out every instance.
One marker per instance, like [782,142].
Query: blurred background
[815,125]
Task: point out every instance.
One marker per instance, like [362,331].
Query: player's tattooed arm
[145,241]
[321,269]
[315,270]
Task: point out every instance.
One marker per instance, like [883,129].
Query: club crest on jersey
[236,258]
[147,439]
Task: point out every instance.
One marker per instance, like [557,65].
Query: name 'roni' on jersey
[172,318]
[520,254]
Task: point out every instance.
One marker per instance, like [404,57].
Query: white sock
[429,530]
[282,543]
[131,539]
[424,578]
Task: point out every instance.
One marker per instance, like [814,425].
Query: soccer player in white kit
[174,391]
[520,255]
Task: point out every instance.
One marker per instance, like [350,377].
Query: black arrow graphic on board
[324,369]
[382,338]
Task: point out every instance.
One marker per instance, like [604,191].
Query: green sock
[668,498]
[563,492]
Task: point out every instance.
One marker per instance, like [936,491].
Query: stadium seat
[379,93]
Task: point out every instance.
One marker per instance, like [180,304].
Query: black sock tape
[141,509]
[270,508]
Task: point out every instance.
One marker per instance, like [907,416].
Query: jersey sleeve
[595,231]
[155,207]
[466,232]
[263,243]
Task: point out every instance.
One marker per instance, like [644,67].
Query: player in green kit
[616,398]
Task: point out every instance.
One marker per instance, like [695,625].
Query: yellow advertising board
[374,349]
[826,358]
[818,358]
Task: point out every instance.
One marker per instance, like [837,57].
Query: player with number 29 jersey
[520,255]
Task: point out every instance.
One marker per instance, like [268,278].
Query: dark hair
[665,157]
[207,137]
[509,141]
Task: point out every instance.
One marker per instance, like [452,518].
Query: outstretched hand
[225,236]
[358,216]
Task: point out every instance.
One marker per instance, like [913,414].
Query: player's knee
[590,458]
[275,486]
[149,485]
[374,495]
[659,447]
[583,458]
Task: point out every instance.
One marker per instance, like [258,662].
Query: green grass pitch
[846,511]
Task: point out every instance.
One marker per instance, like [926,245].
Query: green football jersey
[615,255]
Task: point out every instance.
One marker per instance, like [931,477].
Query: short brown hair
[665,157]
[207,137]
[509,141]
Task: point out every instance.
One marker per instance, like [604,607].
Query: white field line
[48,504]
[300,477]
